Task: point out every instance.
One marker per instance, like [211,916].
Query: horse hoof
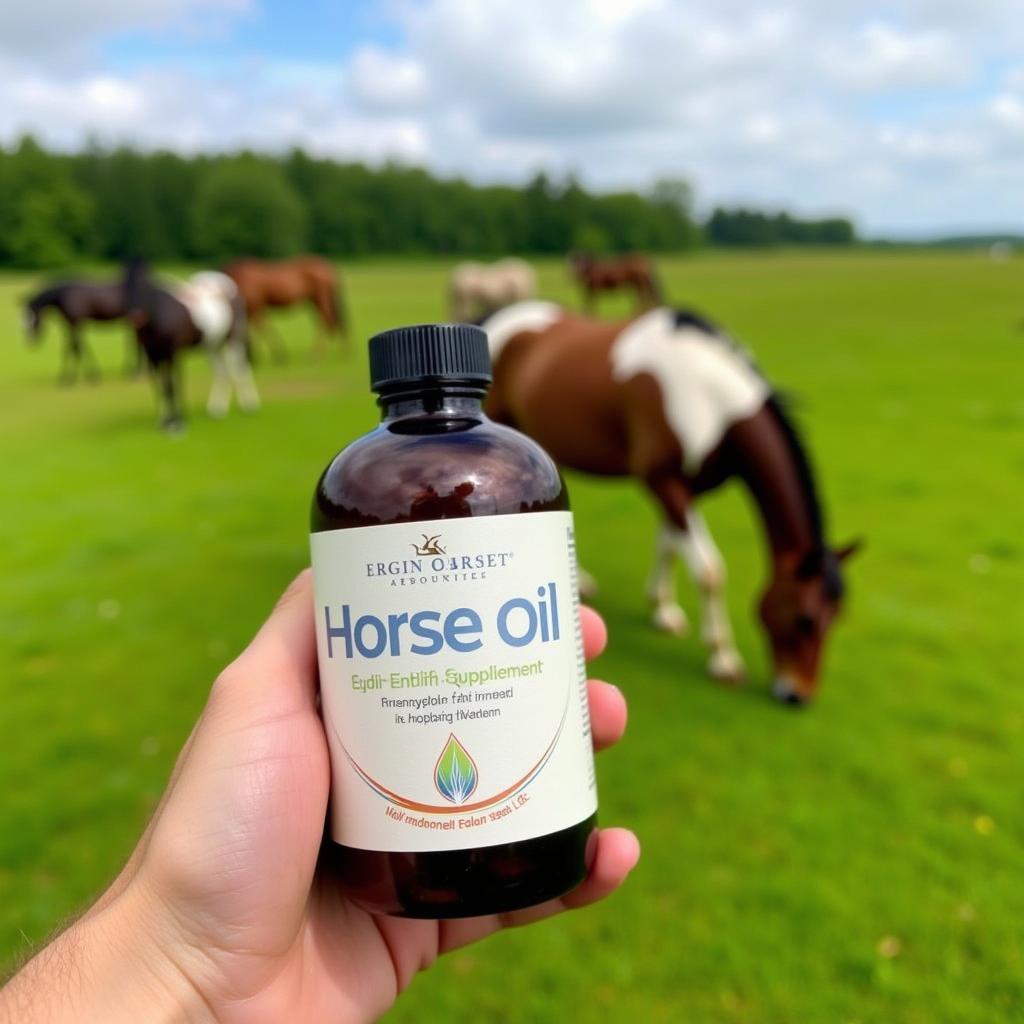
[174,428]
[670,618]
[727,667]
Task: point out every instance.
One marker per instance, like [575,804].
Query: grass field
[859,861]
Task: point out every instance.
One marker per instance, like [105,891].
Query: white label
[453,682]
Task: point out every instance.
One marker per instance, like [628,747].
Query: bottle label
[452,681]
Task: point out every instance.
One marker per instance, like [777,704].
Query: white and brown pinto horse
[673,401]
[478,289]
[205,312]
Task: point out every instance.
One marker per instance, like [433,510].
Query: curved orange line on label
[412,805]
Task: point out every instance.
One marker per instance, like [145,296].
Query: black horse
[205,312]
[77,301]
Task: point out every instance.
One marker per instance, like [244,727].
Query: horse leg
[71,356]
[708,570]
[239,371]
[324,307]
[219,402]
[278,348]
[686,533]
[89,363]
[172,420]
[661,589]
[342,323]
[275,340]
[319,349]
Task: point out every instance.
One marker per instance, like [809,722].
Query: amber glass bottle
[450,657]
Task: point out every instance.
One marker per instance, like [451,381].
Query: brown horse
[673,401]
[632,271]
[285,283]
[76,302]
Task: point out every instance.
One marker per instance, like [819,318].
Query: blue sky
[908,116]
[325,33]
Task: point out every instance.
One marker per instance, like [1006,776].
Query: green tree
[44,215]
[113,203]
[142,202]
[753,227]
[245,206]
[591,238]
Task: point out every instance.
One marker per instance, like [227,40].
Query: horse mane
[778,406]
[697,321]
[801,461]
[691,318]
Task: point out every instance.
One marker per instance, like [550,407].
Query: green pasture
[860,861]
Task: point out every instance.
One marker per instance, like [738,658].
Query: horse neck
[49,297]
[767,459]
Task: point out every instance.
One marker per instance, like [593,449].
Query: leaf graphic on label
[455,774]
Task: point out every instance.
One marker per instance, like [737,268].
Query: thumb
[236,838]
[277,672]
[274,678]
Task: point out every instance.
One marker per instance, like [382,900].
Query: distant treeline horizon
[112,203]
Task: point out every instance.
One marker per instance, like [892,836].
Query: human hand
[221,913]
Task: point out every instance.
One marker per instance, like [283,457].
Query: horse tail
[338,308]
[655,286]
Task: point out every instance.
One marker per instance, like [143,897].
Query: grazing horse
[670,399]
[77,301]
[205,311]
[477,289]
[633,270]
[305,278]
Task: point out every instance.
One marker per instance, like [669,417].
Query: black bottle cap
[429,352]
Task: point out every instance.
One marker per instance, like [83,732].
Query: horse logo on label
[429,546]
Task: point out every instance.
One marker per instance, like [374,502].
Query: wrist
[136,934]
[117,963]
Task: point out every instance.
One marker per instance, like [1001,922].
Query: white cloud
[882,57]
[47,27]
[883,111]
[385,81]
[1008,110]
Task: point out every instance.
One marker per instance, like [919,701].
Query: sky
[907,116]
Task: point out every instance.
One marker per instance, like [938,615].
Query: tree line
[107,204]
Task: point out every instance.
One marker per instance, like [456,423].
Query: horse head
[30,318]
[801,602]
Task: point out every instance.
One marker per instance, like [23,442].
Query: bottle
[452,677]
